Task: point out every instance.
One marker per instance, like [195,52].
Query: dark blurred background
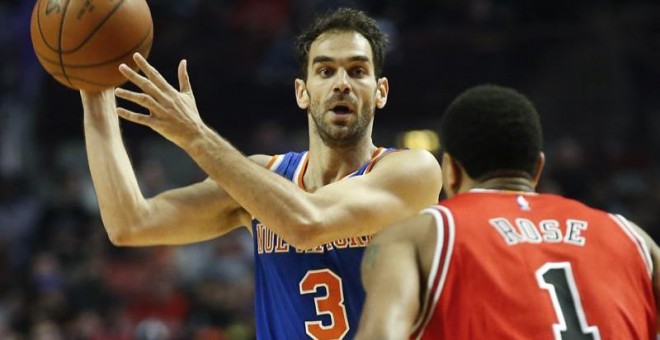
[591,67]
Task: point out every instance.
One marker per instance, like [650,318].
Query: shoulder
[413,176]
[408,160]
[410,154]
[419,231]
[413,229]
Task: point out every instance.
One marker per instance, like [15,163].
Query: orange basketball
[82,42]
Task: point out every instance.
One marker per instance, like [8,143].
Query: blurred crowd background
[592,68]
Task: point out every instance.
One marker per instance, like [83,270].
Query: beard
[336,136]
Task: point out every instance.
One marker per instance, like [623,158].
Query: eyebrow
[323,59]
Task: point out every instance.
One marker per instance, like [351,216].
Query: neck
[507,183]
[327,165]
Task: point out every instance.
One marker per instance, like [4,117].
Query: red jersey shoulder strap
[637,239]
[445,238]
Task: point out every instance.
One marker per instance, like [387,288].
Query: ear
[540,163]
[452,175]
[381,92]
[302,98]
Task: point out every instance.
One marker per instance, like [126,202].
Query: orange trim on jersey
[271,161]
[378,155]
[301,183]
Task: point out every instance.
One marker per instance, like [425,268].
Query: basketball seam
[87,81]
[98,27]
[87,38]
[59,43]
[41,31]
[139,44]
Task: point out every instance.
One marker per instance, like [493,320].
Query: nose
[342,84]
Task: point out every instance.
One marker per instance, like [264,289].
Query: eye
[325,72]
[359,72]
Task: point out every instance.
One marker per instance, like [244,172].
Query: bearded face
[341,91]
[340,120]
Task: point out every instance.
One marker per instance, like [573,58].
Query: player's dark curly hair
[343,19]
[492,131]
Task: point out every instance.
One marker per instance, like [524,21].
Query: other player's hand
[172,112]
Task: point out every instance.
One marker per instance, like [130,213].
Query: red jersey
[510,265]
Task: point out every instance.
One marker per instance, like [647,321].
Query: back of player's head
[343,19]
[492,131]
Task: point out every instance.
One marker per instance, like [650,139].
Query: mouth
[342,109]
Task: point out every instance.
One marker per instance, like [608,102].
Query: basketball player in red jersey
[498,261]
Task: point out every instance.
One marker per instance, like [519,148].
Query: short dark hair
[343,19]
[492,131]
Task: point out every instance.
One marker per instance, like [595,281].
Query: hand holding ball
[82,42]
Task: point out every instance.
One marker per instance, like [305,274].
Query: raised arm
[395,268]
[194,213]
[398,186]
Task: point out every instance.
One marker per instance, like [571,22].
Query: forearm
[263,193]
[120,199]
[174,114]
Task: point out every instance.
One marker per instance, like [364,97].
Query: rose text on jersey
[523,230]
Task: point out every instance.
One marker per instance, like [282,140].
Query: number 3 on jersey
[332,304]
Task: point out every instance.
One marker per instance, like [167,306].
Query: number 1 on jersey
[332,303]
[557,278]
